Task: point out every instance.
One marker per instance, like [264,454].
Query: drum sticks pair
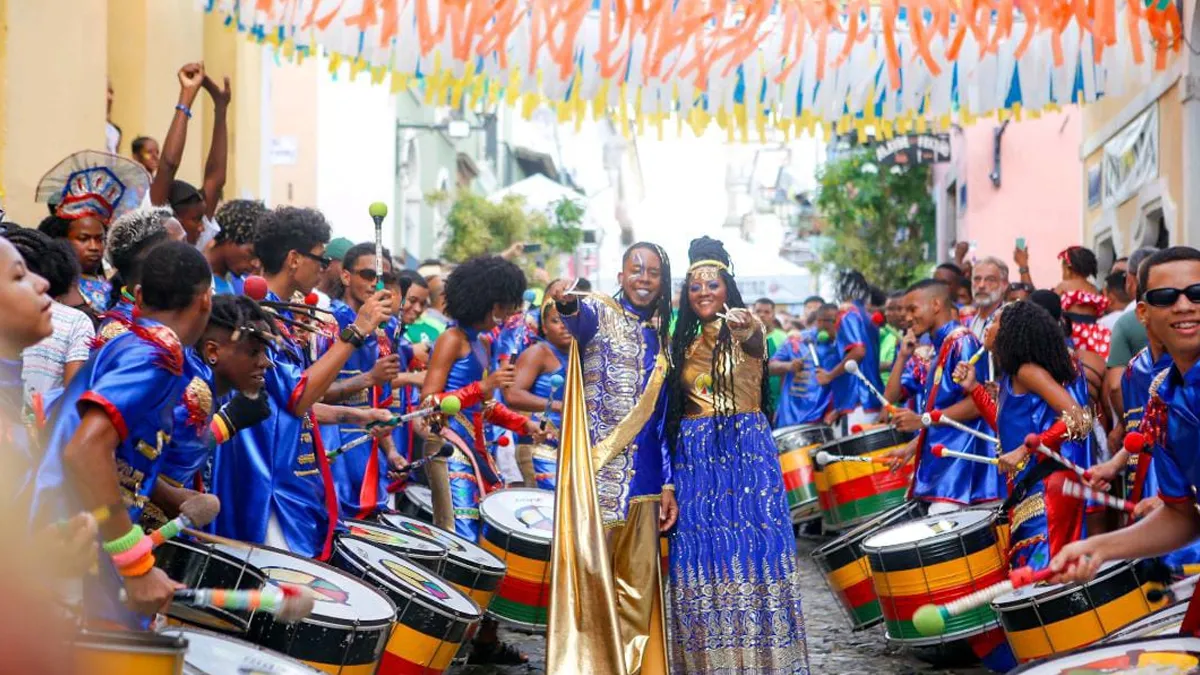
[450,405]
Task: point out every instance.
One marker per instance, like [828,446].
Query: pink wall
[1040,195]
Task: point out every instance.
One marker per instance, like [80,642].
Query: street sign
[913,149]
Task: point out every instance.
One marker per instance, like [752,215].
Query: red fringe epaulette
[166,343]
[117,325]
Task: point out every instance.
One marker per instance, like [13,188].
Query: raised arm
[320,375]
[191,77]
[218,152]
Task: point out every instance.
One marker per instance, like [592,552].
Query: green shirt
[775,340]
[426,329]
[889,344]
[1128,338]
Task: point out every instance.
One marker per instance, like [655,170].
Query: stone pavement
[832,647]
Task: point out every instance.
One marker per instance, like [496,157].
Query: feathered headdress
[93,183]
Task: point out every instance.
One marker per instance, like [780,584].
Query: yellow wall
[52,87]
[294,116]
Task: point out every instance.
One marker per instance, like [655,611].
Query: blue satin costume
[465,489]
[943,479]
[1019,415]
[802,400]
[544,468]
[350,470]
[190,451]
[137,383]
[404,399]
[854,329]
[273,467]
[619,348]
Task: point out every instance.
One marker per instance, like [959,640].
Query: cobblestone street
[832,647]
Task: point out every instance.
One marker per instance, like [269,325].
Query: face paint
[639,265]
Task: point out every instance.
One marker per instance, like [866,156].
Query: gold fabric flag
[583,635]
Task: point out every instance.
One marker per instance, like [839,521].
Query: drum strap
[930,402]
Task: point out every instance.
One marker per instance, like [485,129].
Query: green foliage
[563,235]
[879,222]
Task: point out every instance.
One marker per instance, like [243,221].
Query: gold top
[745,372]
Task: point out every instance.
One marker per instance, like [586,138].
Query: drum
[122,653]
[433,618]
[851,493]
[1161,656]
[468,567]
[932,561]
[199,565]
[425,552]
[1165,621]
[847,572]
[518,525]
[417,502]
[213,654]
[796,445]
[1043,620]
[349,625]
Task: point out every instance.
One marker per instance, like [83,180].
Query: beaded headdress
[93,183]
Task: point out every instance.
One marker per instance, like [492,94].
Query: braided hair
[1081,260]
[686,331]
[662,309]
[53,259]
[1028,334]
[243,318]
[852,286]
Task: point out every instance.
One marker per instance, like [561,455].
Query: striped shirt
[43,363]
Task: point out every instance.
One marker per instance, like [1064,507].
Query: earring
[212,360]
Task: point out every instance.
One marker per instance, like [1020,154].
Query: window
[1106,253]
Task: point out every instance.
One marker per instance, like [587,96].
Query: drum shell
[795,445]
[847,572]
[851,493]
[122,653]
[1044,621]
[199,565]
[935,570]
[1165,621]
[409,505]
[523,598]
[420,552]
[478,579]
[266,661]
[1174,654]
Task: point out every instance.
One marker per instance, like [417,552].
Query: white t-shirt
[1109,320]
[42,365]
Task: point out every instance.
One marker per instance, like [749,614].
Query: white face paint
[639,268]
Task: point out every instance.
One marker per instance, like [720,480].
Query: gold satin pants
[636,561]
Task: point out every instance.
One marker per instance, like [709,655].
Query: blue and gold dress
[735,592]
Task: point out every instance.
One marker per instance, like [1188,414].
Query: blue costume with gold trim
[802,400]
[855,329]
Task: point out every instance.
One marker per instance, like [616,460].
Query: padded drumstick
[940,450]
[1072,489]
[1034,442]
[852,368]
[936,417]
[824,458]
[445,451]
[449,405]
[556,381]
[1135,442]
[193,513]
[930,620]
[288,603]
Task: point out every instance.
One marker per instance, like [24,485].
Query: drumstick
[217,539]
[852,368]
[195,512]
[936,417]
[813,351]
[1072,489]
[931,620]
[824,458]
[449,405]
[1177,589]
[1034,442]
[287,602]
[940,450]
[445,451]
[556,381]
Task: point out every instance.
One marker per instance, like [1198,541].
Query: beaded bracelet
[185,110]
[133,555]
[139,568]
[124,542]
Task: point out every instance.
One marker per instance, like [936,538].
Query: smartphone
[1021,243]
[531,248]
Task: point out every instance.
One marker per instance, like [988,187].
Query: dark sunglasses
[1167,297]
[368,275]
[323,260]
[1020,286]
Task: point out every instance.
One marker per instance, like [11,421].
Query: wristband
[133,555]
[124,542]
[185,110]
[139,568]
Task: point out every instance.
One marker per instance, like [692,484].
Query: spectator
[1018,291]
[231,256]
[145,152]
[112,132]
[51,363]
[811,304]
[1128,334]
[988,283]
[890,333]
[433,322]
[1118,298]
[764,309]
[330,284]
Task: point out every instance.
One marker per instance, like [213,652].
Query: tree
[878,220]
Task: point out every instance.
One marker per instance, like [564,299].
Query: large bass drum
[518,526]
[851,493]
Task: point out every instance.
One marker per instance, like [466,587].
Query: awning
[540,193]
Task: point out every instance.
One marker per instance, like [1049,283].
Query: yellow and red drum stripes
[796,445]
[517,527]
[1043,620]
[847,572]
[851,493]
[932,561]
[122,653]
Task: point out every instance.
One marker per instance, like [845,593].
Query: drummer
[946,484]
[533,391]
[802,399]
[1170,308]
[857,340]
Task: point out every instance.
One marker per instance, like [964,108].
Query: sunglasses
[368,275]
[1167,297]
[1020,286]
[323,260]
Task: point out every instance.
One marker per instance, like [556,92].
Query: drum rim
[825,549]
[491,522]
[499,565]
[1171,612]
[1028,667]
[442,548]
[1107,570]
[208,547]
[127,640]
[279,656]
[986,520]
[370,571]
[325,620]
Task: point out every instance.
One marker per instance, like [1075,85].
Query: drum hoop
[257,649]
[1035,599]
[451,556]
[378,577]
[212,551]
[957,533]
[416,552]
[1147,644]
[119,641]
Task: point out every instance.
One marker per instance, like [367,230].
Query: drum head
[524,513]
[404,544]
[339,596]
[930,529]
[407,579]
[865,441]
[802,435]
[420,495]
[215,654]
[1161,656]
[1046,592]
[458,548]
